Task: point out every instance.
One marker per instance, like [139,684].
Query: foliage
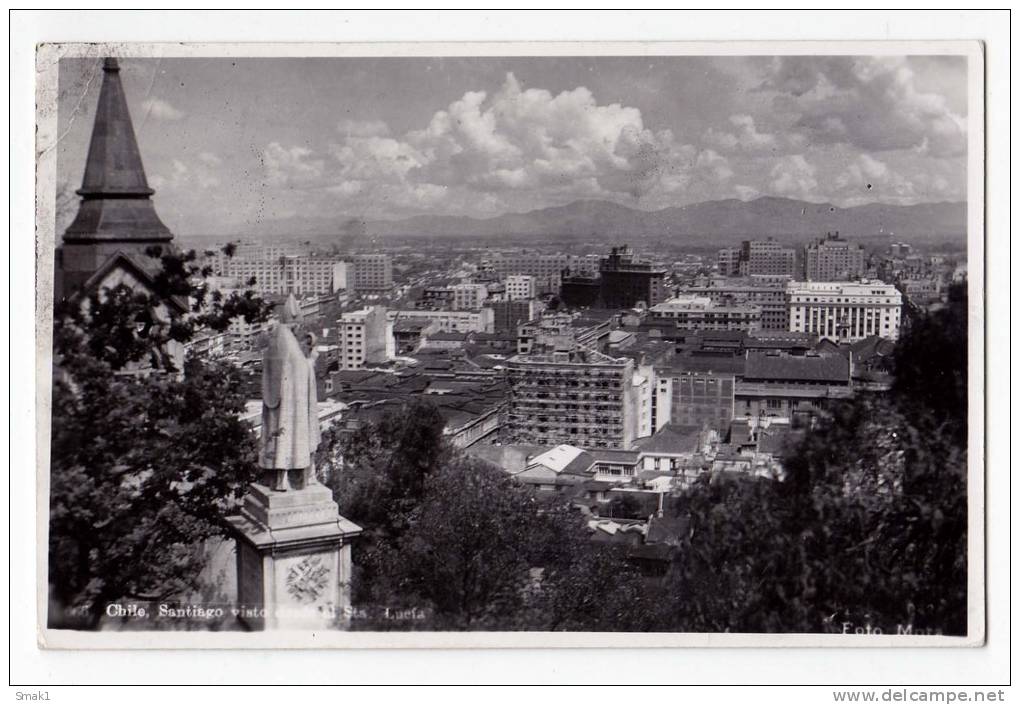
[868,530]
[464,541]
[146,459]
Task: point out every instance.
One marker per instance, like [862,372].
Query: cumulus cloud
[873,103]
[530,139]
[867,179]
[745,136]
[516,148]
[794,176]
[159,109]
[291,167]
[491,152]
[183,177]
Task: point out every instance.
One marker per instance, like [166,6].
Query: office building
[757,257]
[833,259]
[700,313]
[845,311]
[625,281]
[373,274]
[284,274]
[767,293]
[520,287]
[539,265]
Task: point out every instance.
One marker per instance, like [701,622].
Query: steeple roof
[115,203]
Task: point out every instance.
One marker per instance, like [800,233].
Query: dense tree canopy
[146,459]
[869,527]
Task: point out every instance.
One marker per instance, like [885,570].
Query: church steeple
[116,218]
[115,205]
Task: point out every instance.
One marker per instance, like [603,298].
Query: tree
[867,530]
[146,459]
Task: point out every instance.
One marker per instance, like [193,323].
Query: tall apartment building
[845,311]
[373,274]
[582,398]
[766,293]
[365,337]
[758,257]
[626,281]
[520,287]
[701,313]
[833,259]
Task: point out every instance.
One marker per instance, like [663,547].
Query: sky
[229,142]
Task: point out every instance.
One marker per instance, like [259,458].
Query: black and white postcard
[566,344]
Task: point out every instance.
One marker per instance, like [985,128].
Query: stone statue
[290,423]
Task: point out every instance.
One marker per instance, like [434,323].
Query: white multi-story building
[538,264]
[520,287]
[845,311]
[469,297]
[285,274]
[480,321]
[700,313]
[365,337]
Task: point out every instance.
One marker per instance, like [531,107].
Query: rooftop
[805,368]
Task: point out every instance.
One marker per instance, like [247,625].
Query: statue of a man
[290,423]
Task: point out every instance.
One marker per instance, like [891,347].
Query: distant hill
[701,224]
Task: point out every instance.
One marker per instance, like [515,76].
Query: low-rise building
[790,386]
[480,321]
[700,313]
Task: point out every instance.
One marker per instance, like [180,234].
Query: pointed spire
[115,194]
[114,166]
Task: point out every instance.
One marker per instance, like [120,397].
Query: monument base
[293,559]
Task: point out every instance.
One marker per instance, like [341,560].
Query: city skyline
[228,143]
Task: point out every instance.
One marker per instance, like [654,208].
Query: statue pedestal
[293,559]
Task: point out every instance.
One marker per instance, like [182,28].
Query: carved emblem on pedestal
[307,579]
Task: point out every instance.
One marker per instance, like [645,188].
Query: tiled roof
[671,439]
[824,368]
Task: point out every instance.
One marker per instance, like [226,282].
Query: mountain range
[710,223]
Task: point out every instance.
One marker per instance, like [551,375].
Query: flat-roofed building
[539,264]
[833,259]
[626,281]
[700,313]
[480,321]
[469,297]
[845,311]
[520,287]
[767,293]
[365,337]
[373,273]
